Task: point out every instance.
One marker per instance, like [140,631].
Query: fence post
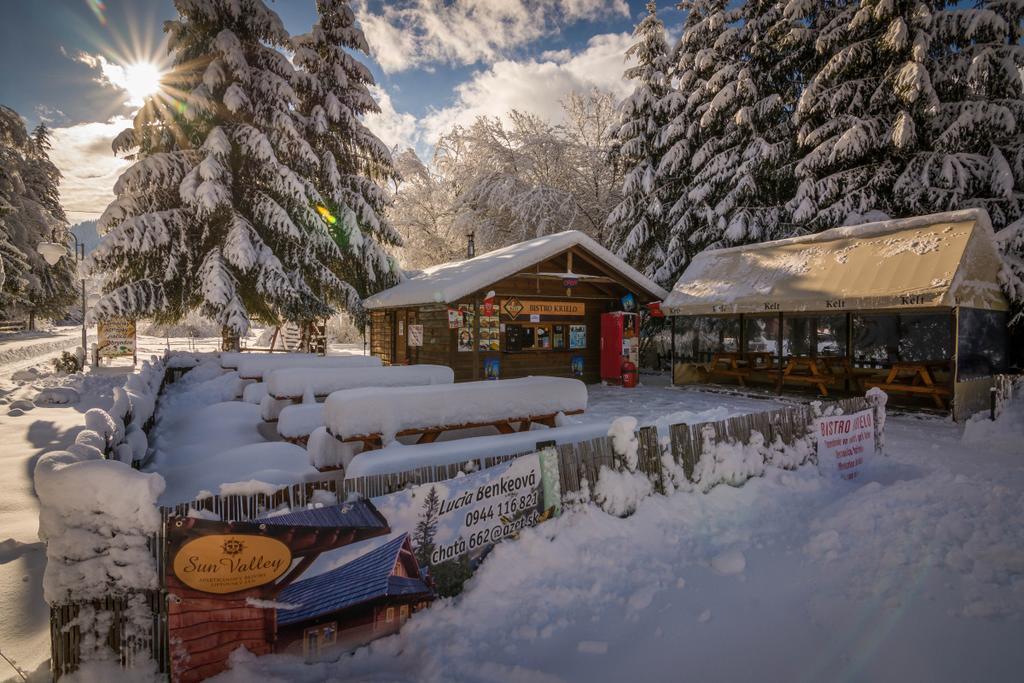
[649,460]
[877,399]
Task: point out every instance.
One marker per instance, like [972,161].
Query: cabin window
[982,345]
[316,638]
[888,338]
[699,337]
[389,614]
[404,612]
[761,333]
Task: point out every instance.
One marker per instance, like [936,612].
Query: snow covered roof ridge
[448,282]
[937,260]
[979,217]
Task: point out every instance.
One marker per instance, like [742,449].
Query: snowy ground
[914,574]
[30,425]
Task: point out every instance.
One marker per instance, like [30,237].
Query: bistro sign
[226,563]
[513,308]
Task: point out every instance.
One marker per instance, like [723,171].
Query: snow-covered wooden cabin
[901,304]
[531,308]
[344,608]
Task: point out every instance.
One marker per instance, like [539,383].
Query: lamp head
[51,252]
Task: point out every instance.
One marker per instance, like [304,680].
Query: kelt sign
[226,563]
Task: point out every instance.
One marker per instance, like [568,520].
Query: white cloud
[537,87]
[83,155]
[137,80]
[393,127]
[417,32]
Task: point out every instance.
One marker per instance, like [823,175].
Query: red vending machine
[620,342]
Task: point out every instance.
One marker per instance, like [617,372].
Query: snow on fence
[614,471]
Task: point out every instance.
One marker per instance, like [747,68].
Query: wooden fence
[580,466]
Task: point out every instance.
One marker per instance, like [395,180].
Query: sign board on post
[116,338]
[846,443]
[415,335]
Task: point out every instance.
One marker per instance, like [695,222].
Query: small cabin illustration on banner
[342,609]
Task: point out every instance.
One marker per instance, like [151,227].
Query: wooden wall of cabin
[380,336]
[552,363]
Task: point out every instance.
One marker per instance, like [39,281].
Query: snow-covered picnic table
[254,366]
[380,414]
[296,422]
[293,383]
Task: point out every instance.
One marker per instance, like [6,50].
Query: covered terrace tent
[866,305]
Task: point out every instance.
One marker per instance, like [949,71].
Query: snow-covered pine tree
[333,91]
[744,169]
[974,151]
[13,266]
[30,213]
[696,58]
[51,288]
[638,223]
[216,213]
[864,109]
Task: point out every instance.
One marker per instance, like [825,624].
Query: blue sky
[437,62]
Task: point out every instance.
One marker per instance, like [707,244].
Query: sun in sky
[138,79]
[141,80]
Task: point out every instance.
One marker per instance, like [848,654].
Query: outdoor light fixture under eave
[51,252]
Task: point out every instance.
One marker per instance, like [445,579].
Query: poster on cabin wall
[577,336]
[846,444]
[415,335]
[492,368]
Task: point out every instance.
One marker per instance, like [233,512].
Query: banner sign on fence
[845,443]
[225,563]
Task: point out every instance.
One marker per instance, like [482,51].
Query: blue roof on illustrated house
[365,578]
[358,514]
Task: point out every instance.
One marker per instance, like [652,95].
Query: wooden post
[476,335]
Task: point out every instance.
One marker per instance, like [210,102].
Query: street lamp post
[52,252]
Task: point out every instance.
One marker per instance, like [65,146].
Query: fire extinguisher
[629,376]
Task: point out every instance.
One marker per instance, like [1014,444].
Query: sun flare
[141,80]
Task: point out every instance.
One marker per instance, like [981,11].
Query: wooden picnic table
[430,434]
[916,379]
[729,364]
[807,370]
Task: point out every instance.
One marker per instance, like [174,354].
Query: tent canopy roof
[939,260]
[449,282]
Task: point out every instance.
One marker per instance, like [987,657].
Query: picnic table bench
[807,370]
[914,379]
[377,415]
[740,365]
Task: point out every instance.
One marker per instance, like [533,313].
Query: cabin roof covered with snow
[939,260]
[368,577]
[449,282]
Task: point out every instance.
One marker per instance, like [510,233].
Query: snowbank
[386,411]
[248,468]
[294,382]
[254,366]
